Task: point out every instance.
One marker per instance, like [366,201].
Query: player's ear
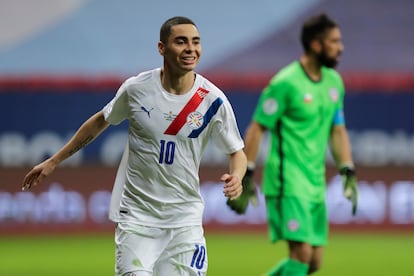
[161,48]
[316,46]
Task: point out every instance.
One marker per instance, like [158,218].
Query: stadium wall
[76,200]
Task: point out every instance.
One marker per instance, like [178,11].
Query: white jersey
[157,182]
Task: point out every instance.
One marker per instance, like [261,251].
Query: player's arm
[341,152]
[340,145]
[269,109]
[87,132]
[253,138]
[232,180]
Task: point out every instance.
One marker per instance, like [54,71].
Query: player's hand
[232,186]
[350,186]
[37,174]
[249,194]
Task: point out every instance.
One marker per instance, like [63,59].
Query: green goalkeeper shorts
[291,218]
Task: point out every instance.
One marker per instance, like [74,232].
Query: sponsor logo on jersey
[307,98]
[293,225]
[148,111]
[195,120]
[333,92]
[270,106]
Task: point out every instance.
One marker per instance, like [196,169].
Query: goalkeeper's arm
[341,151]
[249,193]
[350,185]
[253,138]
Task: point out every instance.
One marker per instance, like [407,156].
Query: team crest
[333,93]
[195,120]
[307,98]
[293,225]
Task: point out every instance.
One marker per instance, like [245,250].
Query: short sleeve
[339,116]
[116,110]
[272,103]
[226,134]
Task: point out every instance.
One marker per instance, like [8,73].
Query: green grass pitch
[229,254]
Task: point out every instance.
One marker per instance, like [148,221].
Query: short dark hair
[315,28]
[165,30]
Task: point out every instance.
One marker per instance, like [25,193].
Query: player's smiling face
[331,49]
[183,48]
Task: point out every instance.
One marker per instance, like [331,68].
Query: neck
[311,67]
[177,84]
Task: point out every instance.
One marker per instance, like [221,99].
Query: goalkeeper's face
[331,48]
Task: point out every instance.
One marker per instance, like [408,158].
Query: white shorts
[142,250]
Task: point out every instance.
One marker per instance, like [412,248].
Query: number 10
[167,152]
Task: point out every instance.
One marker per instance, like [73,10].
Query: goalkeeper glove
[249,194]
[350,185]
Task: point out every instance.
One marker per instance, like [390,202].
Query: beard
[326,61]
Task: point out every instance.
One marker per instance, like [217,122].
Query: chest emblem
[195,120]
[333,93]
[307,98]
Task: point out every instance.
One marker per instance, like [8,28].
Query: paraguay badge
[195,120]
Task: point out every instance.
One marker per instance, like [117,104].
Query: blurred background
[62,61]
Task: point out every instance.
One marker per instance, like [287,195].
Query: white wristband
[347,164]
[251,165]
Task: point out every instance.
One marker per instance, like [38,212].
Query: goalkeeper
[302,109]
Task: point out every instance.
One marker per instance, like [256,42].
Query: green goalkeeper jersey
[299,114]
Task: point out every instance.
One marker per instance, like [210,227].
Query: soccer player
[302,108]
[172,112]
